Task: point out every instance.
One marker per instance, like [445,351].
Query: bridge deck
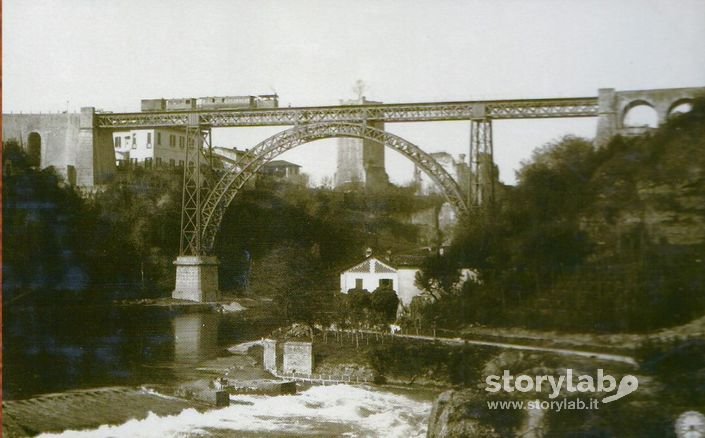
[390,113]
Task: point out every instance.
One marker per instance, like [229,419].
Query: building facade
[150,147]
[458,169]
[373,273]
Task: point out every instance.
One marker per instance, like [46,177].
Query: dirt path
[562,351]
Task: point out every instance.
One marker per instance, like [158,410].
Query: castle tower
[360,161]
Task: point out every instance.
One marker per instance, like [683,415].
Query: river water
[340,410]
[47,349]
[51,349]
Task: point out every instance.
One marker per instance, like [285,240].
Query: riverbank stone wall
[298,357]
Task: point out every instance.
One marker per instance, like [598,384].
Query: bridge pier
[196,279]
[607,117]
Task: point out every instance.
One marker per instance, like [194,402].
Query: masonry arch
[235,179]
[640,113]
[680,106]
[34,149]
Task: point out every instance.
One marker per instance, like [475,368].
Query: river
[47,349]
[339,410]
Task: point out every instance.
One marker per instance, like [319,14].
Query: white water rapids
[340,410]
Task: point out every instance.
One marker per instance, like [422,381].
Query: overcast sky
[63,54]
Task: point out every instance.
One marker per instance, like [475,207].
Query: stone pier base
[196,279]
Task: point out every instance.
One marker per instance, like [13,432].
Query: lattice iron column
[481,159]
[196,272]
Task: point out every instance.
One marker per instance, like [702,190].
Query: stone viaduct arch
[229,185]
[613,107]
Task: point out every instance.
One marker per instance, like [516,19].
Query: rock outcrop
[460,413]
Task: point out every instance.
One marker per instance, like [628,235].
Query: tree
[291,274]
[358,306]
[383,304]
[438,275]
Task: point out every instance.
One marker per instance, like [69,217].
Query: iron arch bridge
[229,185]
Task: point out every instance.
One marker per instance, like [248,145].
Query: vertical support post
[196,273]
[607,117]
[191,192]
[481,158]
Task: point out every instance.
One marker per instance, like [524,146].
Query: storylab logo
[567,384]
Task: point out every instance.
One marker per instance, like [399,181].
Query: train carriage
[181,104]
[211,103]
[153,105]
[226,102]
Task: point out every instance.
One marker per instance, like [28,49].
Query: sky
[65,54]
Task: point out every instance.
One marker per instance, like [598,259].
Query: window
[190,142]
[181,163]
[358,283]
[172,140]
[118,142]
[159,138]
[172,163]
[149,139]
[148,162]
[385,282]
[159,162]
[181,142]
[134,141]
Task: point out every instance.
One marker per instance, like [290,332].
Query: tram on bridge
[211,103]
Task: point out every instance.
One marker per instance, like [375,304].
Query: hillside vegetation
[609,239]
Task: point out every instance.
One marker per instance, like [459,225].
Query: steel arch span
[225,190]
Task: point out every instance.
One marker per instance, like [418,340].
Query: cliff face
[655,184]
[458,413]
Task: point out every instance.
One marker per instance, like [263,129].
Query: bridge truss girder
[225,190]
[389,113]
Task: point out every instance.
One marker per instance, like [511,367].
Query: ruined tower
[361,161]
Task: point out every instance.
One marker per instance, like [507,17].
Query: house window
[172,140]
[149,139]
[134,141]
[181,163]
[158,160]
[181,142]
[148,162]
[358,283]
[385,282]
[159,138]
[118,142]
[172,163]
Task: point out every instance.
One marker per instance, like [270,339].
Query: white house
[373,273]
[151,147]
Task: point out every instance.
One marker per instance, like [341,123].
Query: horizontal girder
[390,113]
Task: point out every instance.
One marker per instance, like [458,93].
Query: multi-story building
[361,161]
[459,170]
[150,147]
